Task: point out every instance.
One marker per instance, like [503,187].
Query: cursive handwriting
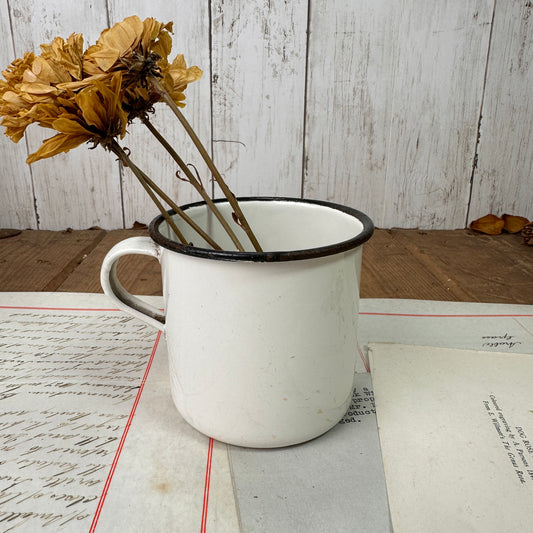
[68,381]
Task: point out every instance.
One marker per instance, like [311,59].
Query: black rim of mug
[269,256]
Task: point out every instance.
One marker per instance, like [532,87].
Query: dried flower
[63,58]
[130,45]
[177,76]
[33,81]
[91,96]
[94,114]
[14,106]
[140,50]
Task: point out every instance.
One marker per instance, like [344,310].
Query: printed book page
[456,431]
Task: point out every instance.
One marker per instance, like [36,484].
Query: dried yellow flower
[139,49]
[94,114]
[139,99]
[91,96]
[32,81]
[13,106]
[66,55]
[14,72]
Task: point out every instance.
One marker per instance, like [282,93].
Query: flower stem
[150,187]
[203,152]
[179,211]
[194,182]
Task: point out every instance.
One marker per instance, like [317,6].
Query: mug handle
[117,293]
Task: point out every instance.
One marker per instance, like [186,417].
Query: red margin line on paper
[421,315]
[446,316]
[128,424]
[123,438]
[203,526]
[43,308]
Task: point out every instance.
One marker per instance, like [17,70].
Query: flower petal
[70,127]
[94,114]
[57,144]
[114,42]
[38,88]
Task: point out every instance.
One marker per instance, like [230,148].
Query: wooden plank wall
[418,113]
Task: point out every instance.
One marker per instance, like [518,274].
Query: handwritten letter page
[71,381]
[68,383]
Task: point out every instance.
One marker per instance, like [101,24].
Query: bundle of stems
[92,95]
[154,191]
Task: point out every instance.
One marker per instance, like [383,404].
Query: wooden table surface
[457,265]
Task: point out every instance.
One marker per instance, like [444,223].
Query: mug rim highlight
[268,256]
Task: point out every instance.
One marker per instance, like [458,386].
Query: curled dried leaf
[489,224]
[139,225]
[514,224]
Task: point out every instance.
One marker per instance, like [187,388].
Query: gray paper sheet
[332,483]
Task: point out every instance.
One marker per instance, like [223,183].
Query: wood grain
[139,274]
[373,103]
[389,268]
[455,265]
[16,194]
[43,260]
[484,267]
[258,84]
[352,61]
[503,181]
[442,52]
[80,189]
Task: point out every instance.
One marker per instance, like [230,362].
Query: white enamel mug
[262,345]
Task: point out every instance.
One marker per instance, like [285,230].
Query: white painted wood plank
[442,53]
[352,55]
[16,195]
[394,93]
[191,38]
[259,55]
[503,181]
[82,188]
